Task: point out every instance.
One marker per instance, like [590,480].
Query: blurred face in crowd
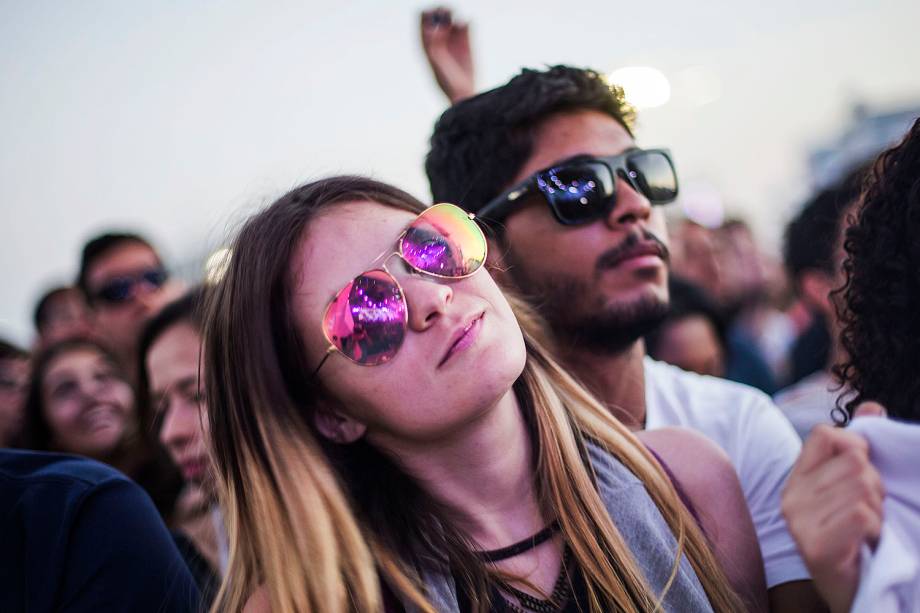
[120,315]
[88,406]
[692,343]
[817,284]
[14,385]
[587,285]
[66,316]
[694,257]
[177,399]
[434,385]
[744,270]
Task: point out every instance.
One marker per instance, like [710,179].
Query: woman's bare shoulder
[696,462]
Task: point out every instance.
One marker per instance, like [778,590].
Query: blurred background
[176,119]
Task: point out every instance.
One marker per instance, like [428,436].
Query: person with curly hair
[852,501]
[881,330]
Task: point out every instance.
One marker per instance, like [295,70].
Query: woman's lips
[466,338]
[194,470]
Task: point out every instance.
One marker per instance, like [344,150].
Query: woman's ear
[337,427]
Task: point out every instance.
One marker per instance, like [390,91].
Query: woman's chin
[105,440]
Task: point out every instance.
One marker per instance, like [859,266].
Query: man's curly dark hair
[481,143]
[880,310]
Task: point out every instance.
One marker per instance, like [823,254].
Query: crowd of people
[539,394]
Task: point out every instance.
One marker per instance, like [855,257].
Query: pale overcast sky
[175,118]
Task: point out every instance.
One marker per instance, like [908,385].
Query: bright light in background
[216,266]
[702,203]
[645,87]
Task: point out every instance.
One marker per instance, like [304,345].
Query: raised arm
[446,43]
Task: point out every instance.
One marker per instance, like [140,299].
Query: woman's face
[462,351]
[88,407]
[176,398]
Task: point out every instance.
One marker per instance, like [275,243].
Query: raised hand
[446,43]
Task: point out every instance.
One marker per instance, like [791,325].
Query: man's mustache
[638,240]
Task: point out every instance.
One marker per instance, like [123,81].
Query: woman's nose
[427,300]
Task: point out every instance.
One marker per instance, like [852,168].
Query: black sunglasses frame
[156,277]
[499,207]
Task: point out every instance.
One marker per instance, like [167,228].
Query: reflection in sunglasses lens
[430,251]
[444,241]
[577,190]
[655,176]
[366,321]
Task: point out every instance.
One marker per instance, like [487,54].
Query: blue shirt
[76,535]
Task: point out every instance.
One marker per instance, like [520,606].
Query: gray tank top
[642,526]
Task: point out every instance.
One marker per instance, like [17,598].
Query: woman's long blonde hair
[317,525]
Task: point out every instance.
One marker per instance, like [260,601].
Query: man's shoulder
[84,532]
[740,419]
[54,483]
[34,468]
[817,384]
[688,391]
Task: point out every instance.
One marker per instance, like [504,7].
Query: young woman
[377,410]
[878,304]
[171,407]
[80,402]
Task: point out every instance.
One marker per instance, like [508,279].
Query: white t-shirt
[809,402]
[890,575]
[760,442]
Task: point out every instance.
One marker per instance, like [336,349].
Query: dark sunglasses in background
[121,289]
[584,188]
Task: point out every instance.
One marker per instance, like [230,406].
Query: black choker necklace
[496,555]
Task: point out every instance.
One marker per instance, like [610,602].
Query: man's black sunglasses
[121,289]
[583,189]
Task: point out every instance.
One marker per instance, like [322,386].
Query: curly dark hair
[480,144]
[880,306]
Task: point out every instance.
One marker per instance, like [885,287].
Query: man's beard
[581,319]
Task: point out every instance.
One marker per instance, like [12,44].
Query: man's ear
[815,287]
[337,427]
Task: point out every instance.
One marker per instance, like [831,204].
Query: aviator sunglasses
[368,318]
[583,189]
